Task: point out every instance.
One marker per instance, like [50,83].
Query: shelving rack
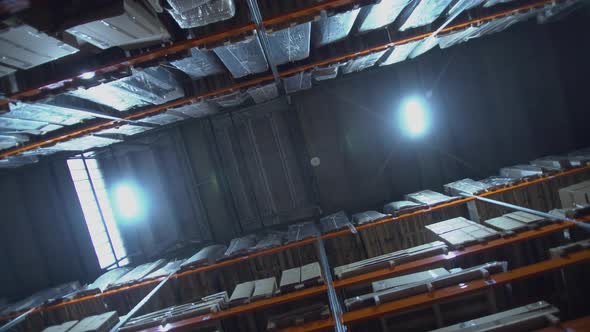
[75,80]
[351,317]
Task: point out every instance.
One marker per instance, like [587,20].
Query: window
[98,212]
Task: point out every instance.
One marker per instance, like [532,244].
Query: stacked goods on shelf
[429,198]
[422,282]
[298,316]
[335,222]
[577,195]
[459,231]
[209,304]
[569,248]
[99,323]
[390,260]
[402,207]
[301,277]
[515,221]
[526,318]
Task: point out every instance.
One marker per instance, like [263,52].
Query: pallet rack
[365,278]
[74,81]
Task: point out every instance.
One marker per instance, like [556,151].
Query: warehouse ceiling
[79,77]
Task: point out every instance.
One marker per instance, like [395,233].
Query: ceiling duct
[327,72]
[363,62]
[332,28]
[24,47]
[154,85]
[201,63]
[264,93]
[126,129]
[244,57]
[425,13]
[47,113]
[26,126]
[195,13]
[290,44]
[163,119]
[232,99]
[84,143]
[196,110]
[381,14]
[297,82]
[136,26]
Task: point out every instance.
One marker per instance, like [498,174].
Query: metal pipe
[580,224]
[16,321]
[335,306]
[141,303]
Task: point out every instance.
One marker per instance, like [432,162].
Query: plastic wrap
[362,62]
[209,12]
[491,3]
[9,141]
[24,47]
[6,71]
[205,256]
[401,207]
[326,72]
[400,53]
[534,316]
[463,5]
[84,143]
[137,26]
[125,129]
[429,197]
[200,64]
[367,217]
[467,186]
[297,82]
[41,297]
[424,46]
[196,110]
[110,95]
[552,162]
[382,14]
[460,231]
[425,13]
[181,6]
[270,240]
[302,231]
[503,23]
[454,38]
[290,44]
[47,113]
[335,222]
[138,273]
[231,99]
[264,93]
[330,29]
[555,10]
[521,171]
[494,182]
[17,161]
[165,270]
[243,58]
[162,119]
[109,277]
[240,246]
[154,85]
[28,126]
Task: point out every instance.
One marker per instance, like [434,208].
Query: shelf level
[251,82]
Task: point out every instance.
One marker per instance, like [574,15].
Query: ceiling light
[414,117]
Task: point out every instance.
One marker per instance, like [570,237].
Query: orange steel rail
[371,275]
[189,324]
[452,292]
[195,42]
[576,325]
[188,44]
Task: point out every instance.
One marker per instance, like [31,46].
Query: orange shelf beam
[448,293]
[371,275]
[190,323]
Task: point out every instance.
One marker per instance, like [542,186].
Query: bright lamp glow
[128,201]
[88,75]
[414,117]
